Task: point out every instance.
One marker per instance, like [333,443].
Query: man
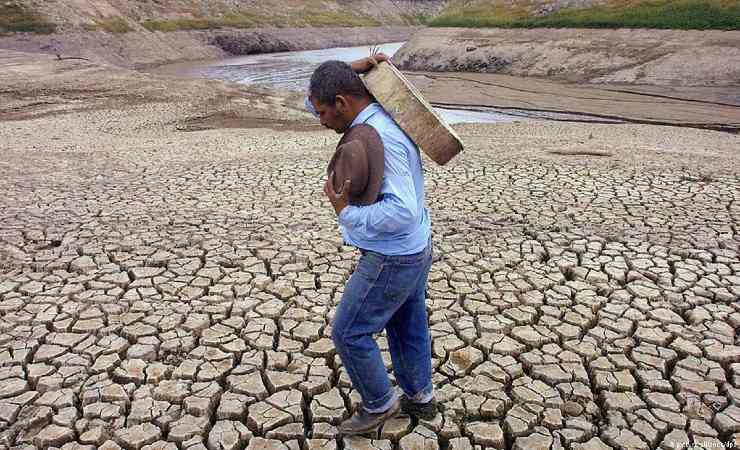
[387,288]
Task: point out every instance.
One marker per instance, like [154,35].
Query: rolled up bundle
[412,113]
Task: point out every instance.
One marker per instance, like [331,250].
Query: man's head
[338,95]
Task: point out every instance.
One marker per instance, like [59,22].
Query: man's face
[332,117]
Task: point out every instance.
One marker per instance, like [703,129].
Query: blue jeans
[386,292]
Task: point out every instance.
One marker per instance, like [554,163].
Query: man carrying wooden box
[388,287]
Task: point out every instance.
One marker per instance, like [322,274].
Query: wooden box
[412,113]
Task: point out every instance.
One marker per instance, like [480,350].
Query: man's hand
[338,201]
[365,64]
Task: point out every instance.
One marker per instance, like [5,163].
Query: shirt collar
[365,114]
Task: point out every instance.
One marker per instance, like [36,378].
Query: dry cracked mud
[164,289]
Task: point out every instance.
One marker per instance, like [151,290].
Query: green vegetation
[227,21]
[335,19]
[415,19]
[17,18]
[293,19]
[670,14]
[112,25]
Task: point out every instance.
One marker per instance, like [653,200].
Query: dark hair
[332,78]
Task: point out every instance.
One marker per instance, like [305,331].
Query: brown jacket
[360,158]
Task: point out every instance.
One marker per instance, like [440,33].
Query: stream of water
[292,71]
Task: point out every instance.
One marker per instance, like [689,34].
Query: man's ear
[340,103]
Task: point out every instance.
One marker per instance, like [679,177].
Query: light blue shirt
[398,223]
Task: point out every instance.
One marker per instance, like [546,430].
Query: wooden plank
[412,113]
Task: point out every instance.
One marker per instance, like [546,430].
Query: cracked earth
[165,289]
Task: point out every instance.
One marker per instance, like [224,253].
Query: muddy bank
[137,50]
[40,87]
[654,57]
[716,108]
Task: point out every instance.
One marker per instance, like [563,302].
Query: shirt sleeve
[395,211]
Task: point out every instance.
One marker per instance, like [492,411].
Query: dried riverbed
[170,270]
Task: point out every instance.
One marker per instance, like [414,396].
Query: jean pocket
[402,281]
[369,266]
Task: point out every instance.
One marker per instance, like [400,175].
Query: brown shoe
[423,411]
[363,422]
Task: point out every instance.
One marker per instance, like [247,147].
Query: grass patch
[180,24]
[227,21]
[112,25]
[664,14]
[239,21]
[16,18]
[415,19]
[293,19]
[338,19]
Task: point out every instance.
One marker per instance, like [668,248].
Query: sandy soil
[654,57]
[169,270]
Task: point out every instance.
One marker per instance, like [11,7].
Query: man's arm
[386,216]
[396,210]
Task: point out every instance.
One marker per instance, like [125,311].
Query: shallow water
[292,71]
[288,70]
